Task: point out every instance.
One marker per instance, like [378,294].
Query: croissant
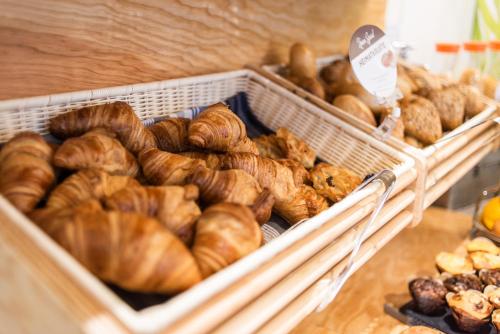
[233,185]
[96,149]
[25,171]
[216,128]
[117,117]
[305,203]
[268,147]
[268,173]
[245,145]
[300,174]
[212,160]
[173,206]
[130,250]
[87,184]
[263,207]
[163,168]
[172,134]
[295,148]
[225,232]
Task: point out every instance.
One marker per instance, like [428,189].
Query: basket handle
[458,133]
[334,283]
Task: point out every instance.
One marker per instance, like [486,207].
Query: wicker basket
[219,296]
[439,165]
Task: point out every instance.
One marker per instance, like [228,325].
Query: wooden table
[359,306]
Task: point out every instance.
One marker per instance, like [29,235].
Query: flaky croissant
[130,250]
[305,203]
[262,208]
[87,184]
[295,148]
[172,134]
[25,170]
[117,117]
[233,185]
[225,232]
[300,174]
[96,149]
[173,206]
[268,173]
[216,128]
[212,160]
[245,145]
[164,168]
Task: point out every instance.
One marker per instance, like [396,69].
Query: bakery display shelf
[426,159]
[97,308]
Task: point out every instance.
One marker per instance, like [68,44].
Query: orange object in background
[447,47]
[475,46]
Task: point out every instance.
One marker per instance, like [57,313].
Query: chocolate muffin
[428,294]
[463,282]
[490,276]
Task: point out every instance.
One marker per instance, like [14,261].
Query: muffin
[428,294]
[463,282]
[490,276]
[470,309]
[493,294]
[495,319]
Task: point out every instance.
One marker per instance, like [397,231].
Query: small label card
[373,61]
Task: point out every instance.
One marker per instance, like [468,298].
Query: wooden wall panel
[49,46]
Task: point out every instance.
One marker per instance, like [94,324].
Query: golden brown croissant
[263,206]
[306,203]
[117,117]
[25,171]
[130,250]
[295,148]
[212,160]
[225,232]
[233,185]
[245,145]
[96,149]
[87,184]
[172,134]
[268,147]
[300,174]
[216,128]
[173,206]
[164,168]
[269,173]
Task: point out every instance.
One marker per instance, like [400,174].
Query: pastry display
[156,210]
[430,103]
[470,309]
[25,170]
[428,294]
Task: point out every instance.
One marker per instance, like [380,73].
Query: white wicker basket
[427,158]
[335,142]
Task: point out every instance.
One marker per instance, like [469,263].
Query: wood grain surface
[51,46]
[359,306]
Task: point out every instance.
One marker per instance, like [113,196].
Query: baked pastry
[87,184]
[216,128]
[225,232]
[245,145]
[424,81]
[450,104]
[130,250]
[164,168]
[295,148]
[428,294]
[332,182]
[96,149]
[173,206]
[262,208]
[463,282]
[482,244]
[212,160]
[25,170]
[470,309]
[473,101]
[172,134]
[305,203]
[490,276]
[454,264]
[495,319]
[492,292]
[355,107]
[421,120]
[300,174]
[233,186]
[268,147]
[483,260]
[421,330]
[117,117]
